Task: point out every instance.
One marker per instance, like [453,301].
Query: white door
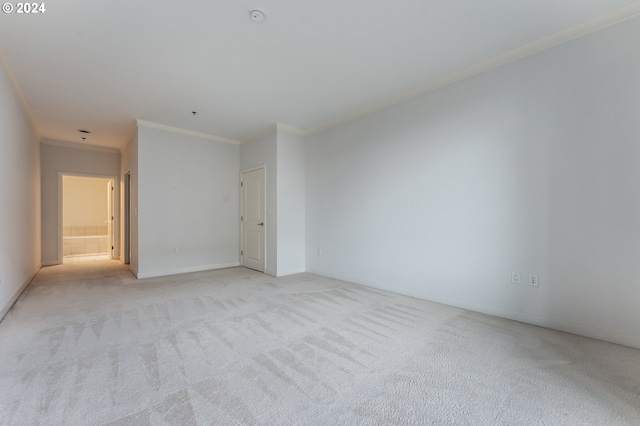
[252,202]
[110,190]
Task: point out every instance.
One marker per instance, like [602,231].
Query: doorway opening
[88,218]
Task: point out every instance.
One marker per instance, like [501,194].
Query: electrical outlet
[533,280]
[174,250]
[515,277]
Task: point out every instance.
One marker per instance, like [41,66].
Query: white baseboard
[176,271]
[17,294]
[586,330]
[51,262]
[290,272]
[134,271]
[271,272]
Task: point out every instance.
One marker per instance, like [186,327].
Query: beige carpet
[89,345]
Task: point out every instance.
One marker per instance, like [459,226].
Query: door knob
[261,224]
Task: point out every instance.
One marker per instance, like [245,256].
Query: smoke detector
[257,15]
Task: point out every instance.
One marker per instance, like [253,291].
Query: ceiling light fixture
[194,112]
[257,15]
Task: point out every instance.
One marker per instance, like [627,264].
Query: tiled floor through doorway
[75,259]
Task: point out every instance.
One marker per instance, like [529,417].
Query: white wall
[283,155]
[530,167]
[65,158]
[262,151]
[291,203]
[188,198]
[129,164]
[19,197]
[84,201]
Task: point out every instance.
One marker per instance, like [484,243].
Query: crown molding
[278,127]
[133,130]
[291,130]
[83,146]
[21,99]
[143,123]
[257,135]
[569,34]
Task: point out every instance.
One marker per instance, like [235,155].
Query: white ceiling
[101,64]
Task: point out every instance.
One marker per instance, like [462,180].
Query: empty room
[367,213]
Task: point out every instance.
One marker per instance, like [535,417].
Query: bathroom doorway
[88,228]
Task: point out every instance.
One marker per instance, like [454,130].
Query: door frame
[126,244]
[264,213]
[115,208]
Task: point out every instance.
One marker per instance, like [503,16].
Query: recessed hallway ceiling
[99,65]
